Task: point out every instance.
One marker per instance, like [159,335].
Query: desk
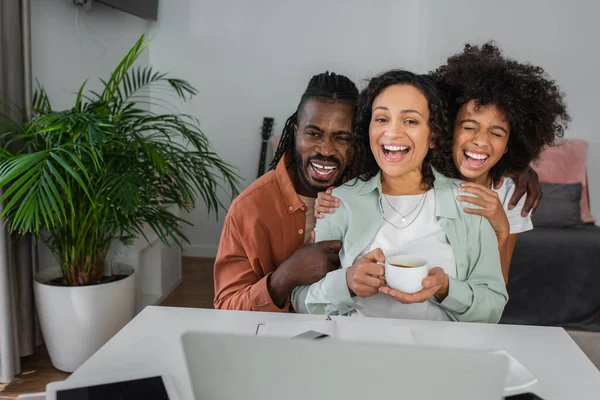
[153,339]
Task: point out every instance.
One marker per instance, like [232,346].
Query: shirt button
[462,265]
[290,208]
[300,231]
[302,208]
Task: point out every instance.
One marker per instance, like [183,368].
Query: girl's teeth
[476,156]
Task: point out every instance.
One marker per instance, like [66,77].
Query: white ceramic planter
[77,321]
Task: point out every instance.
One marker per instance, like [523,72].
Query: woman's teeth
[391,150]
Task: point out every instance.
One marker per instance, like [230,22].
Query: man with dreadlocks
[266,246]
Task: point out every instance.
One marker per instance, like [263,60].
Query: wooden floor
[37,372]
[196,290]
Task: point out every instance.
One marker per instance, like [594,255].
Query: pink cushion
[566,163]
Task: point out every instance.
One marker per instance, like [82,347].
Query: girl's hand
[492,208]
[326,203]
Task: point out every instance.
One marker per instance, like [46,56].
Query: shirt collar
[290,197]
[371,184]
[446,205]
[444,189]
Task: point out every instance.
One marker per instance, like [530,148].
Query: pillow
[560,206]
[566,162]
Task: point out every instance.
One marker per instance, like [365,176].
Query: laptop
[260,368]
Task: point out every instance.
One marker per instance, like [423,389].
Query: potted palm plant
[115,164]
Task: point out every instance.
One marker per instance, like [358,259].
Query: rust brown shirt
[263,228]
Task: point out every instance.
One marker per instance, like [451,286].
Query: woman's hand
[492,207]
[436,284]
[364,277]
[326,203]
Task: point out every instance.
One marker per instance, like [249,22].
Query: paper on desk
[346,330]
[519,378]
[289,329]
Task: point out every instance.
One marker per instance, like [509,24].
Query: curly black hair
[440,157]
[532,102]
[327,87]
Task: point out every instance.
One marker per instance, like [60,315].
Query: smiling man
[266,248]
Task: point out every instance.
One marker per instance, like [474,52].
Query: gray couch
[555,278]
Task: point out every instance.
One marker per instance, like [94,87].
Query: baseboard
[200,250]
[153,299]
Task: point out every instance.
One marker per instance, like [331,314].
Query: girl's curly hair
[532,102]
[440,157]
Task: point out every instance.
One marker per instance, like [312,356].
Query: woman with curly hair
[505,112]
[400,204]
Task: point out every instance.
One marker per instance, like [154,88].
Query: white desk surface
[152,339]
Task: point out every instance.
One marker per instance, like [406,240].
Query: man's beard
[306,179]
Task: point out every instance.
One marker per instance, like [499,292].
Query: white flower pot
[77,321]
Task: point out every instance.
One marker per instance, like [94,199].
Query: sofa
[554,276]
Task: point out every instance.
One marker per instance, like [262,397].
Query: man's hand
[436,284]
[526,181]
[363,278]
[326,203]
[309,264]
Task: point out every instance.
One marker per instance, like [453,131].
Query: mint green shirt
[477,294]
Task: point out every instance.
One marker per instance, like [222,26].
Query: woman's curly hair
[532,102]
[440,157]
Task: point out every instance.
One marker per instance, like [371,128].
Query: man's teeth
[476,156]
[323,166]
[395,148]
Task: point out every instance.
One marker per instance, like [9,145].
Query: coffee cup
[406,273]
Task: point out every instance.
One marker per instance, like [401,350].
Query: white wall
[254,59]
[63,56]
[558,35]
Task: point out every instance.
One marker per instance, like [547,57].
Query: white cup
[407,279]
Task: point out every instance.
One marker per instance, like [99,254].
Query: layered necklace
[403,217]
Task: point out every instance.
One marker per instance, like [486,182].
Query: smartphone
[524,396]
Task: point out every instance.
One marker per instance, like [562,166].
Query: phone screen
[524,396]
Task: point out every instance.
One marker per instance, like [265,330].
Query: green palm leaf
[109,167]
